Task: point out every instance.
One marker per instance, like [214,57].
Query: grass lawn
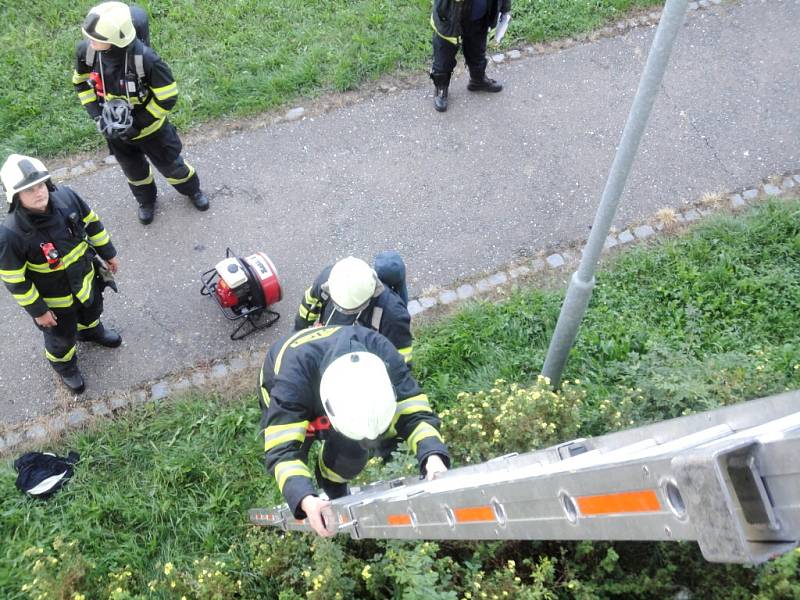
[238,57]
[158,505]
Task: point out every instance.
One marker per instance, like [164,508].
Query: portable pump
[244,289]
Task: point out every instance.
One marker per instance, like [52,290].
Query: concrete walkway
[459,194]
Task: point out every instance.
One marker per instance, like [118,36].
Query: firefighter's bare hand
[434,467]
[48,319]
[320,515]
[113,264]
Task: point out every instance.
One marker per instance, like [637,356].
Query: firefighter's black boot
[200,200]
[74,381]
[479,82]
[147,213]
[441,81]
[101,336]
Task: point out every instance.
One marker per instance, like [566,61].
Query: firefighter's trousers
[473,44]
[163,149]
[59,341]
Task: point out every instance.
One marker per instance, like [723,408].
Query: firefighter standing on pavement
[350,291]
[354,378]
[47,244]
[466,23]
[129,91]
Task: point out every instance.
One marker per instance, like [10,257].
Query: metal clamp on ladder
[728,479]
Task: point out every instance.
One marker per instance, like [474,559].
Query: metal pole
[582,282]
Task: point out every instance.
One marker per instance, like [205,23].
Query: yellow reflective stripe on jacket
[311,300]
[90,218]
[13,276]
[167,91]
[173,181]
[278,360]
[86,288]
[154,109]
[87,96]
[79,77]
[99,239]
[146,181]
[306,314]
[59,302]
[327,473]
[28,298]
[66,358]
[275,435]
[290,468]
[418,403]
[452,40]
[150,129]
[406,353]
[131,99]
[72,256]
[421,432]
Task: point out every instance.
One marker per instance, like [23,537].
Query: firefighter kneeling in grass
[47,261]
[129,91]
[349,385]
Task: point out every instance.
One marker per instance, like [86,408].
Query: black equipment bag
[41,474]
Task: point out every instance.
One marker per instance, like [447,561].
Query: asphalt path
[496,178]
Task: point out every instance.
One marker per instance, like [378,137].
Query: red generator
[244,289]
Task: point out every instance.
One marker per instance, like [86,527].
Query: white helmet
[110,22]
[352,283]
[21,172]
[358,396]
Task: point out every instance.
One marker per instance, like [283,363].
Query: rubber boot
[102,336]
[479,82]
[441,82]
[74,381]
[147,213]
[200,200]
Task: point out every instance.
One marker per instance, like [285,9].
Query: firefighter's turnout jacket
[72,227]
[135,72]
[289,387]
[446,17]
[386,314]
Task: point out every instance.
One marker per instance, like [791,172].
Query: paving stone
[788,183]
[498,278]
[238,364]
[704,3]
[159,391]
[414,308]
[448,297]
[118,402]
[465,291]
[797,178]
[101,409]
[498,58]
[555,261]
[198,378]
[77,417]
[183,384]
[680,218]
[36,432]
[427,302]
[772,190]
[625,237]
[218,371]
[643,232]
[4,445]
[537,265]
[716,1]
[483,286]
[691,215]
[518,272]
[750,194]
[59,174]
[621,25]
[514,54]
[89,165]
[693,6]
[655,15]
[295,114]
[77,170]
[705,211]
[737,201]
[257,359]
[110,160]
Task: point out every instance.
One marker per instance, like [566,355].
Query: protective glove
[129,134]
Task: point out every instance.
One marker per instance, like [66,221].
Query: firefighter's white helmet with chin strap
[358,396]
[352,283]
[20,173]
[111,23]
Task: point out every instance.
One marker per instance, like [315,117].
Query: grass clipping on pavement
[157,507]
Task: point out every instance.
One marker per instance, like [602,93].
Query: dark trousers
[163,149]
[339,461]
[59,341]
[473,44]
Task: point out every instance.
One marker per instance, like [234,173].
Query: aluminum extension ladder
[728,479]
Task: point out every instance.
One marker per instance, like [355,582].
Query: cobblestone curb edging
[219,376]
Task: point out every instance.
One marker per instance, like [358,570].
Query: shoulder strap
[138,61]
[377,315]
[89,56]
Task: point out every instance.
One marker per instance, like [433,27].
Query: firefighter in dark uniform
[351,379]
[350,291]
[47,248]
[129,91]
[466,23]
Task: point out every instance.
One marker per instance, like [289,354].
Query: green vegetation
[238,57]
[157,507]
